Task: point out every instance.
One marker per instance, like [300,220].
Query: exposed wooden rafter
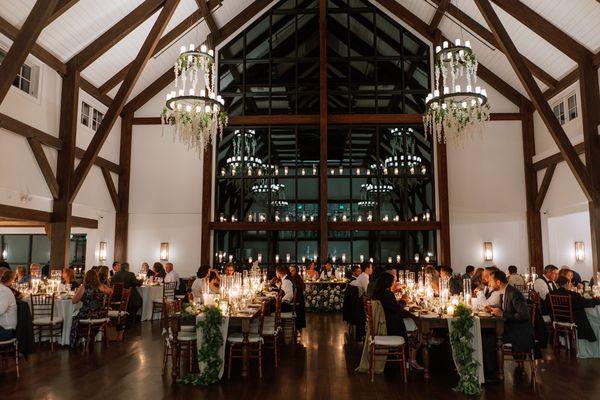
[62,7]
[560,137]
[224,32]
[488,36]
[124,91]
[546,30]
[42,217]
[110,185]
[439,14]
[23,43]
[116,32]
[45,168]
[541,196]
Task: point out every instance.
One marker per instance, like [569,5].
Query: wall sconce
[488,251]
[4,252]
[164,251]
[579,251]
[102,252]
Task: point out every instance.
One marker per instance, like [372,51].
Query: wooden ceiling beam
[45,168]
[224,32]
[541,196]
[62,7]
[210,21]
[27,214]
[124,91]
[439,14]
[110,185]
[545,29]
[117,32]
[560,137]
[23,43]
[488,36]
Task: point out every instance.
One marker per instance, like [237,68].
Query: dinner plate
[484,314]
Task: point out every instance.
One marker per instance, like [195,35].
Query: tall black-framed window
[25,249]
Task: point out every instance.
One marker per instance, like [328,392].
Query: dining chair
[171,311]
[235,342]
[9,350]
[115,297]
[272,330]
[168,295]
[563,322]
[288,320]
[42,315]
[393,348]
[521,357]
[118,316]
[96,321]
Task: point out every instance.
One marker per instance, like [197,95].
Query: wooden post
[590,104]
[62,209]
[323,220]
[534,224]
[207,176]
[122,217]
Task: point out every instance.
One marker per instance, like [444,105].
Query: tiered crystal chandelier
[194,109]
[457,108]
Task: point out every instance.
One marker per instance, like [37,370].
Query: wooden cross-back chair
[521,357]
[254,345]
[563,323]
[168,295]
[43,318]
[96,321]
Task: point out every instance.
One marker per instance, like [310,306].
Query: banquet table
[585,348]
[65,309]
[149,293]
[326,296]
[428,322]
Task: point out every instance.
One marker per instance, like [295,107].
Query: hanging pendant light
[455,111]
[194,109]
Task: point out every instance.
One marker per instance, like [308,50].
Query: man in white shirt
[545,283]
[362,281]
[171,275]
[488,296]
[286,286]
[8,308]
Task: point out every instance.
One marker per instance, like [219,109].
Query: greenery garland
[208,353]
[463,352]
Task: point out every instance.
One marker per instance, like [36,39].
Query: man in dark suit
[129,280]
[578,306]
[518,329]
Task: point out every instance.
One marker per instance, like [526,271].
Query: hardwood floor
[321,367]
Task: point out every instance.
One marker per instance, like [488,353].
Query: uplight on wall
[5,252]
[164,251]
[102,252]
[488,251]
[579,251]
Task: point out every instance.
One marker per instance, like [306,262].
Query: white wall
[563,232]
[21,181]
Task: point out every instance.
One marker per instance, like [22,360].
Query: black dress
[394,311]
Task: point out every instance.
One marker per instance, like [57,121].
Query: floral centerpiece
[328,298]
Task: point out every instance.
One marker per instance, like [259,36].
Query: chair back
[126,294]
[171,311]
[169,289]
[261,317]
[117,292]
[295,300]
[278,309]
[522,288]
[42,306]
[369,316]
[561,308]
[532,307]
[100,303]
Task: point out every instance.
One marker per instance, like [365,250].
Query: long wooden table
[426,326]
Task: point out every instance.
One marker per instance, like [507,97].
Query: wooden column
[323,220]
[61,222]
[534,224]
[207,175]
[590,104]
[122,218]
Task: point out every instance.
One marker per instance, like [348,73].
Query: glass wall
[27,249]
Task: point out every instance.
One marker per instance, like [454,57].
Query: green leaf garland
[460,338]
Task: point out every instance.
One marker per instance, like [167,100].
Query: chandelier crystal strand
[194,110]
[454,112]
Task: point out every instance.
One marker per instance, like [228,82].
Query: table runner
[475,344]
[585,348]
[200,340]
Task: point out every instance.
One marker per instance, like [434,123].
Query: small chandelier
[376,188]
[194,109]
[454,111]
[263,187]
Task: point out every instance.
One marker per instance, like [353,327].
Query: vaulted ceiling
[83,23]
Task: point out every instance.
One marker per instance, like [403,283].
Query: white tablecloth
[200,339]
[149,294]
[586,349]
[65,309]
[475,344]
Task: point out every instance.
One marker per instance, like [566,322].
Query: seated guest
[68,278]
[229,269]
[116,267]
[299,286]
[199,286]
[35,271]
[171,275]
[311,272]
[518,329]
[103,274]
[146,270]
[545,283]
[46,271]
[89,303]
[286,286]
[129,281]
[159,271]
[298,281]
[576,280]
[355,271]
[22,276]
[328,271]
[469,272]
[476,278]
[454,282]
[362,281]
[8,306]
[568,274]
[514,278]
[578,306]
[434,277]
[486,294]
[392,308]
